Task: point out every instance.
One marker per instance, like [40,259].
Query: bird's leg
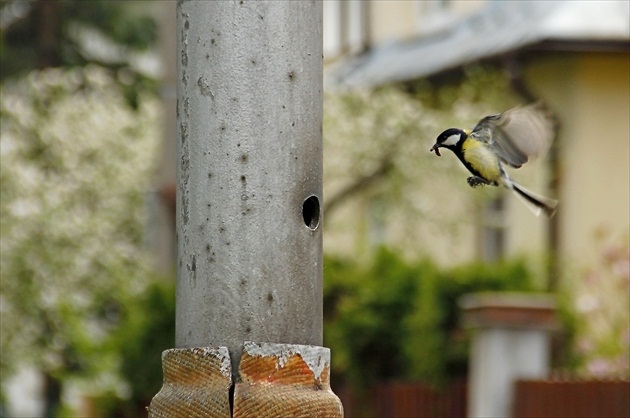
[476,181]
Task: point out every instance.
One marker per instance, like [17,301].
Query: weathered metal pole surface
[250,173]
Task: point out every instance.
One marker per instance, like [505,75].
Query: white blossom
[76,163]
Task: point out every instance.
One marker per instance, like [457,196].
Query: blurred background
[87,182]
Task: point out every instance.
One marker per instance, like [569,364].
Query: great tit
[511,138]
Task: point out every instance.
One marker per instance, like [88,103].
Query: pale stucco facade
[587,86]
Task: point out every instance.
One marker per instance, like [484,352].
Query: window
[492,233]
[346,27]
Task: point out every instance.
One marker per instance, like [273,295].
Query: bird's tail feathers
[535,202]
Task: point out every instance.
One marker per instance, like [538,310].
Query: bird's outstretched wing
[517,135]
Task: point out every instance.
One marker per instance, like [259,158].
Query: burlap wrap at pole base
[285,380]
[196,384]
[275,380]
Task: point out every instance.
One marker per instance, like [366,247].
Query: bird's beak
[436,148]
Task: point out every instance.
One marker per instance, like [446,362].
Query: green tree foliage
[76,165]
[393,319]
[77,146]
[147,328]
[65,33]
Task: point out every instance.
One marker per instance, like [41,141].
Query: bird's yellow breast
[481,160]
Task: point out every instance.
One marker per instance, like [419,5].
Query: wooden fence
[406,399]
[532,398]
[574,399]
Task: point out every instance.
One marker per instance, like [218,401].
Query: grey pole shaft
[249,173]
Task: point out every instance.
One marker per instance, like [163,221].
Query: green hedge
[384,319]
[392,319]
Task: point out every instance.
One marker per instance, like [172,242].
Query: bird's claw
[476,181]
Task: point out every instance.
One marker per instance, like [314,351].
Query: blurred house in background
[572,55]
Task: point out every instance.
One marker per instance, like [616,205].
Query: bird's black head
[448,139]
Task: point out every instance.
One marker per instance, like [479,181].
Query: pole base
[275,380]
[197,383]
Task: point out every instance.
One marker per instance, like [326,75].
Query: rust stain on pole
[281,380]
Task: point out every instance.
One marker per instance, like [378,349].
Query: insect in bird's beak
[436,148]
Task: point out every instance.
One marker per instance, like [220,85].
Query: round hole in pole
[310,212]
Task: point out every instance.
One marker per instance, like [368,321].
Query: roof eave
[580,45]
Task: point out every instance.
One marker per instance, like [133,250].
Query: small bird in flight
[512,138]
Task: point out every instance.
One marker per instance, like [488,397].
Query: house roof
[499,28]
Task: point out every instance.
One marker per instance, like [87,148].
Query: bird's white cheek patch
[452,140]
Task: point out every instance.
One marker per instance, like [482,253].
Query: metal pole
[250,174]
[249,277]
